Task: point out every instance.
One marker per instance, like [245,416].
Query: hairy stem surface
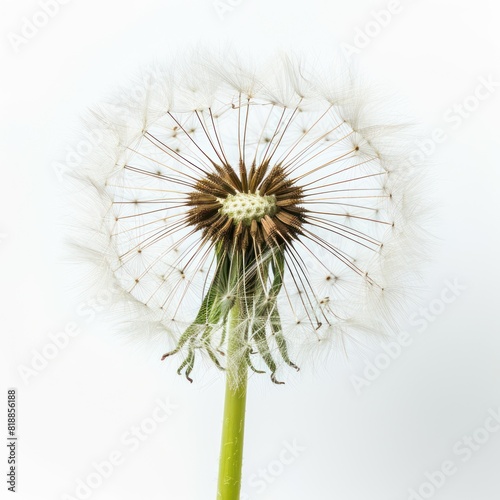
[233,428]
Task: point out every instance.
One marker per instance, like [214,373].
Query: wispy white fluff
[370,208]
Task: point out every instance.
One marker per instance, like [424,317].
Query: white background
[372,444]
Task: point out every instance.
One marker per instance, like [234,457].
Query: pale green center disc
[246,207]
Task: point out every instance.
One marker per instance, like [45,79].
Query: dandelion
[247,214]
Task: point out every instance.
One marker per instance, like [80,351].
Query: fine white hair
[352,270]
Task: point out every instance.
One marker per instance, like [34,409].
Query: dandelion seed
[259,212]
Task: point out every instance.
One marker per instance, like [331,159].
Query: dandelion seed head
[277,189]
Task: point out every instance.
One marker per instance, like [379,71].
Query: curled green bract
[252,285]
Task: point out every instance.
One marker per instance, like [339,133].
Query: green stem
[233,428]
